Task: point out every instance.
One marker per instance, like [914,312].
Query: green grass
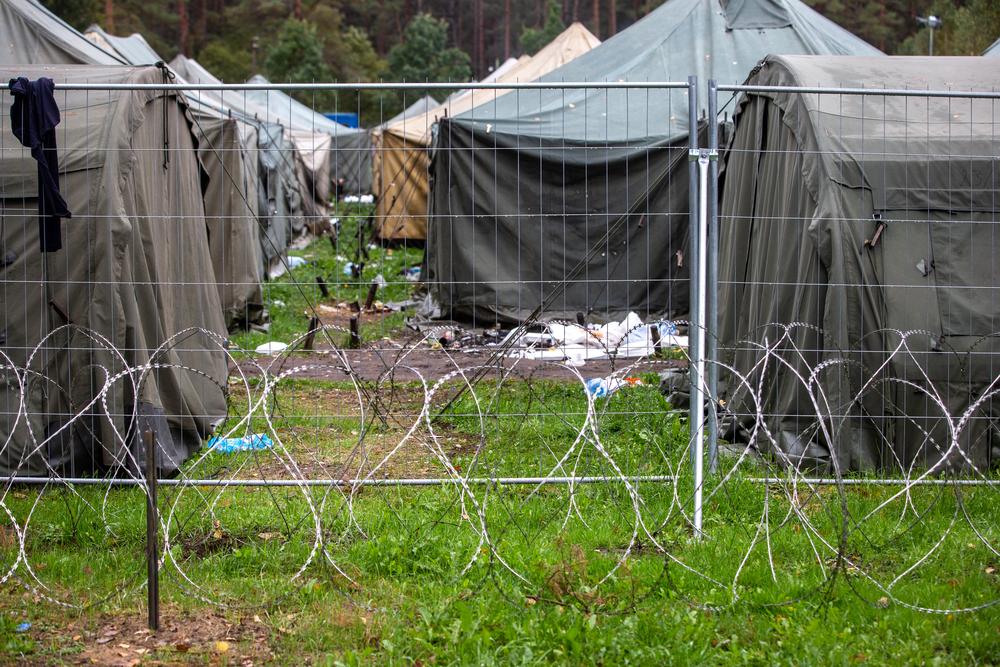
[402,577]
[293,297]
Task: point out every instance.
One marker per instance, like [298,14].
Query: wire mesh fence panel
[857,292]
[428,348]
[454,346]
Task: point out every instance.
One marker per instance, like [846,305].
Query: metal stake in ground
[355,341]
[152,534]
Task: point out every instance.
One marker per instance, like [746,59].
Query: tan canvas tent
[132,285]
[400,168]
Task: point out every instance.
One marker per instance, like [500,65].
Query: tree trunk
[380,34]
[478,37]
[506,29]
[612,17]
[297,9]
[109,15]
[183,26]
[201,22]
[576,11]
[596,19]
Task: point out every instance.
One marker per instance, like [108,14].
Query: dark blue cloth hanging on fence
[34,116]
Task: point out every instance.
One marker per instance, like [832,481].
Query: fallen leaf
[104,640]
[990,569]
[883,602]
[183,647]
[76,638]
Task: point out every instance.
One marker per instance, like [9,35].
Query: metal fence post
[152,534]
[696,332]
[712,278]
[692,253]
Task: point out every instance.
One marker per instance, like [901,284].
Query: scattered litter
[295,262]
[23,627]
[247,443]
[274,347]
[380,281]
[278,302]
[412,274]
[340,258]
[604,387]
[355,199]
[402,305]
[576,343]
[349,269]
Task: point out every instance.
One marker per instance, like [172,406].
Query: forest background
[450,40]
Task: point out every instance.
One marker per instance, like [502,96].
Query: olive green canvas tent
[330,151]
[227,150]
[134,49]
[561,201]
[126,317]
[279,198]
[31,34]
[872,223]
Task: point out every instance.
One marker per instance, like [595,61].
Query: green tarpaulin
[539,182]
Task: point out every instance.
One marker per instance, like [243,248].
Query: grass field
[402,575]
[602,574]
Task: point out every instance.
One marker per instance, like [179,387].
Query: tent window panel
[966,273]
[909,292]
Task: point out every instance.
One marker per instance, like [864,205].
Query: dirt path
[372,363]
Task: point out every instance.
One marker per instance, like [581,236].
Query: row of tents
[546,202]
[183,203]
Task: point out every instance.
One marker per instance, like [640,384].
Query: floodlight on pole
[933,23]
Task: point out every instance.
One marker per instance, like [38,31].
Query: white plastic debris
[273,347]
[355,199]
[295,262]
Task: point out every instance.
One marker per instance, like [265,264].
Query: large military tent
[418,108]
[330,151]
[279,199]
[132,284]
[29,33]
[228,153]
[862,217]
[134,49]
[400,168]
[538,184]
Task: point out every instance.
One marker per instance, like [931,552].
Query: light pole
[933,23]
